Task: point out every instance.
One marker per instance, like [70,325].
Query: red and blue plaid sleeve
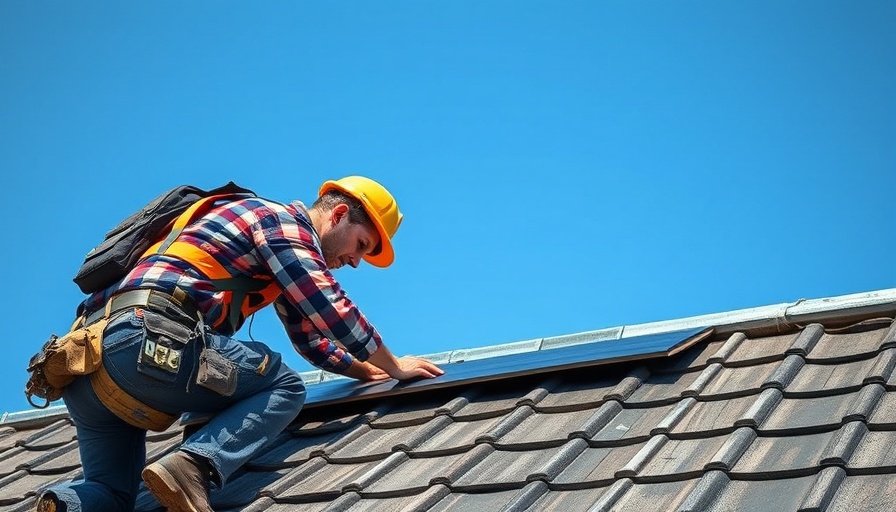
[313,308]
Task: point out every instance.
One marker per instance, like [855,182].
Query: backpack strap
[181,222]
[239,286]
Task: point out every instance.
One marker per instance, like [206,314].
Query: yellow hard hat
[380,206]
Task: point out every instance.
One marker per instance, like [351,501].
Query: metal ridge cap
[33,418]
[781,316]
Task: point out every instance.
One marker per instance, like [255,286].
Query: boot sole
[162,484]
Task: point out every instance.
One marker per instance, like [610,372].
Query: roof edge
[762,320]
[783,317]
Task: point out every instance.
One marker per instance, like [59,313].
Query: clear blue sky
[562,166]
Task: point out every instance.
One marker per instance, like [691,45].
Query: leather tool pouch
[62,359]
[162,348]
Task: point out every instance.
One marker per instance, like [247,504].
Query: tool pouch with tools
[63,358]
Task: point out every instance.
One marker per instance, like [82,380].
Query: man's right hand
[404,368]
[411,367]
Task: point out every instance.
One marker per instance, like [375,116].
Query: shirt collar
[305,217]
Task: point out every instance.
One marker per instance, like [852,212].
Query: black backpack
[111,260]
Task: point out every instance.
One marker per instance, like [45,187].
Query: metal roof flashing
[603,346]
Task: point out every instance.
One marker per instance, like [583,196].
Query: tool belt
[79,352]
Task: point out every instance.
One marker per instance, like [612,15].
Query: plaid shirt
[255,237]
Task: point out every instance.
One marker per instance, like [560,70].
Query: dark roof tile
[677,459]
[652,496]
[581,391]
[385,504]
[504,469]
[782,457]
[567,500]
[10,438]
[821,379]
[316,422]
[267,504]
[288,451]
[378,443]
[806,340]
[837,348]
[54,436]
[884,416]
[844,444]
[731,451]
[497,400]
[21,485]
[753,351]
[739,381]
[595,467]
[545,429]
[327,480]
[475,501]
[632,425]
[413,475]
[666,388]
[875,453]
[763,495]
[455,437]
[412,412]
[800,415]
[707,418]
[865,492]
[243,488]
[64,459]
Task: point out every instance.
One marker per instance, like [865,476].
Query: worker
[168,347]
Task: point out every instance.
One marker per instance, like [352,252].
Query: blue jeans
[113,453]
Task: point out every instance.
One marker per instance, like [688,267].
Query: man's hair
[356,212]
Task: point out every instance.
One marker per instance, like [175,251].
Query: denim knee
[291,387]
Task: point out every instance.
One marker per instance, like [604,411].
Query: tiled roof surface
[804,420]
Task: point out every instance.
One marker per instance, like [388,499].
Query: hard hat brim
[386,256]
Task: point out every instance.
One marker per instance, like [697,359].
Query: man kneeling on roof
[168,346]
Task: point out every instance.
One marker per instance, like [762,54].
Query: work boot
[180,482]
[47,502]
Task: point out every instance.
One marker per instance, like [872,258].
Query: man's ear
[339,212]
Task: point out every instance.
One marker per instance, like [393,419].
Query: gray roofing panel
[649,346]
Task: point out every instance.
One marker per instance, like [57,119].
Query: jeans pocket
[249,357]
[122,333]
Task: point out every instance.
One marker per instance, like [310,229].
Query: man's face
[344,243]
